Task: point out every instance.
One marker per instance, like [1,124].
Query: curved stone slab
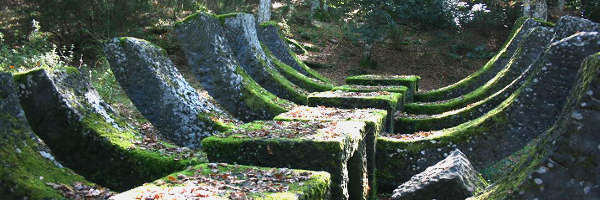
[492,94]
[565,160]
[87,135]
[209,54]
[268,34]
[24,158]
[489,70]
[160,92]
[240,30]
[526,114]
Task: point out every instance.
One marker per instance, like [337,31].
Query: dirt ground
[423,54]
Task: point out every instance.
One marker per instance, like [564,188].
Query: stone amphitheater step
[268,34]
[410,81]
[28,169]
[161,94]
[88,136]
[387,101]
[373,118]
[489,70]
[226,181]
[508,80]
[565,160]
[516,62]
[335,147]
[241,32]
[525,114]
[209,54]
[376,88]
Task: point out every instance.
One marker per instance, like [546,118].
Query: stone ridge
[211,58]
[241,33]
[160,92]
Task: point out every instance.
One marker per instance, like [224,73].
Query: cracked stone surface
[160,92]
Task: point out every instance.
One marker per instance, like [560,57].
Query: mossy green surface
[292,91]
[318,150]
[307,83]
[309,70]
[389,102]
[373,118]
[23,171]
[361,88]
[410,81]
[89,144]
[394,154]
[260,100]
[440,94]
[315,188]
[515,177]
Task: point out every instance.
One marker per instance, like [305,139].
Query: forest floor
[440,57]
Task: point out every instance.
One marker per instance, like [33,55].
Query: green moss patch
[91,139]
[259,99]
[479,77]
[373,118]
[380,100]
[410,81]
[225,181]
[305,82]
[327,146]
[375,88]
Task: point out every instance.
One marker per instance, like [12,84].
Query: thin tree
[264,11]
[535,8]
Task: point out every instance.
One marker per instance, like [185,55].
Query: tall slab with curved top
[161,93]
[209,54]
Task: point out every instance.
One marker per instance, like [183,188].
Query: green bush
[37,51]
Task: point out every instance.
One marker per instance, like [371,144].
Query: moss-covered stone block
[322,146]
[227,181]
[376,88]
[373,118]
[88,136]
[410,81]
[27,165]
[388,101]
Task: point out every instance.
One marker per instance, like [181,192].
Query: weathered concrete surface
[210,55]
[565,160]
[452,178]
[240,30]
[161,93]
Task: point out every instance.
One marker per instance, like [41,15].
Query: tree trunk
[314,6]
[264,11]
[535,8]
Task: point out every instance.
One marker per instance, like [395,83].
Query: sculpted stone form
[160,92]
